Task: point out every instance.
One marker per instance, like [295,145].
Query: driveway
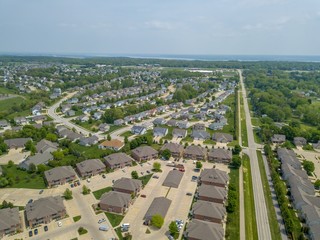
[15,155]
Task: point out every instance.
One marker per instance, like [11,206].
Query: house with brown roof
[10,221]
[127,185]
[144,153]
[160,206]
[222,137]
[212,194]
[220,155]
[179,133]
[209,211]
[195,152]
[215,177]
[173,179]
[17,142]
[118,160]
[175,148]
[44,210]
[113,144]
[90,167]
[117,202]
[201,230]
[59,175]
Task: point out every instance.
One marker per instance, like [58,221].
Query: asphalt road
[259,198]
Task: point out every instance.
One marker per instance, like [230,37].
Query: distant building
[113,144]
[144,153]
[59,175]
[118,160]
[10,221]
[90,167]
[116,202]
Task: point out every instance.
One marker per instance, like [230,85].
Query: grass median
[274,226]
[250,216]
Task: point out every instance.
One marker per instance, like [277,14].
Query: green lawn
[114,128]
[89,152]
[233,219]
[100,192]
[145,179]
[274,227]
[187,139]
[127,134]
[209,141]
[250,216]
[23,179]
[255,121]
[114,219]
[4,90]
[9,103]
[76,218]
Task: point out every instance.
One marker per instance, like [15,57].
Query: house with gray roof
[222,137]
[117,202]
[127,185]
[118,122]
[172,123]
[220,155]
[211,193]
[289,157]
[217,125]
[88,141]
[144,153]
[160,206]
[195,152]
[118,160]
[201,230]
[44,210]
[138,130]
[160,132]
[316,145]
[45,145]
[90,167]
[173,179]
[37,159]
[59,175]
[199,127]
[278,138]
[17,142]
[183,124]
[10,221]
[175,148]
[3,123]
[288,171]
[179,133]
[159,121]
[299,141]
[213,176]
[200,135]
[209,211]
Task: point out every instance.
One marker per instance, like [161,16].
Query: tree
[32,168]
[85,190]
[58,155]
[134,175]
[41,168]
[317,184]
[67,194]
[308,166]
[173,229]
[157,221]
[51,137]
[156,167]
[126,140]
[198,164]
[166,154]
[237,149]
[6,204]
[10,163]
[3,182]
[236,161]
[109,137]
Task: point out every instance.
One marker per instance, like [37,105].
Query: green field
[233,219]
[145,179]
[114,219]
[250,215]
[127,134]
[6,104]
[97,194]
[23,179]
[274,227]
[244,133]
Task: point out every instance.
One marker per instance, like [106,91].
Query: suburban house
[179,133]
[220,155]
[199,127]
[113,144]
[222,137]
[209,211]
[212,194]
[200,135]
[173,179]
[299,141]
[59,175]
[3,123]
[195,152]
[44,210]
[118,160]
[10,221]
[159,205]
[278,139]
[103,127]
[215,177]
[159,121]
[200,230]
[127,185]
[118,122]
[144,153]
[116,202]
[17,142]
[316,145]
[38,158]
[183,124]
[217,125]
[90,167]
[172,123]
[88,141]
[20,120]
[175,148]
[138,130]
[45,145]
[160,132]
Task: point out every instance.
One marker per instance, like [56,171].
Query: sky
[208,27]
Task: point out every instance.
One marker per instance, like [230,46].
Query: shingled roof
[9,217]
[198,229]
[128,184]
[173,179]
[116,199]
[159,205]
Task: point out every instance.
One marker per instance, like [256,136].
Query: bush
[157,221]
[166,154]
[82,230]
[134,175]
[308,166]
[67,194]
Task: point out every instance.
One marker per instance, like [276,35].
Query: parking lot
[310,156]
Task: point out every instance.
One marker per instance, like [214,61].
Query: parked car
[30,234]
[30,201]
[59,224]
[189,194]
[88,180]
[71,185]
[78,182]
[41,191]
[155,176]
[143,195]
[148,171]
[103,228]
[75,184]
[103,176]
[36,232]
[101,220]
[46,228]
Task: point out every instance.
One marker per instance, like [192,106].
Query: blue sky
[252,27]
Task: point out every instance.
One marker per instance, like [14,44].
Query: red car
[143,195]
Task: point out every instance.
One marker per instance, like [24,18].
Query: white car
[59,224]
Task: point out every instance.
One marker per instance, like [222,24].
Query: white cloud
[160,25]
